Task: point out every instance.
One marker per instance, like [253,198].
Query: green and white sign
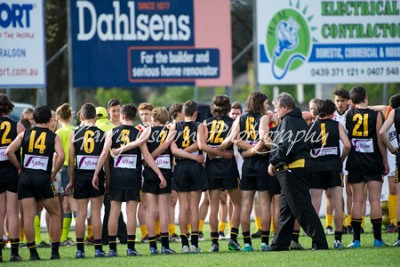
[321,41]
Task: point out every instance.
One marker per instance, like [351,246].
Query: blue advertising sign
[126,43]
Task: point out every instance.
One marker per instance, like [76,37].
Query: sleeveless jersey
[88,144]
[249,132]
[218,130]
[326,151]
[38,149]
[8,132]
[127,166]
[158,136]
[186,134]
[365,157]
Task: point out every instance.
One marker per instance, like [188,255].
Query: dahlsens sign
[143,42]
[130,26]
[304,41]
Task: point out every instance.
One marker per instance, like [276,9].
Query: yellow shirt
[104,124]
[65,135]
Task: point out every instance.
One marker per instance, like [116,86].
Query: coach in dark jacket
[290,162]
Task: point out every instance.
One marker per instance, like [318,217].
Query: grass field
[367,255]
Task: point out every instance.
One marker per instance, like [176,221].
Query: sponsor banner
[325,41]
[326,151]
[363,145]
[35,162]
[125,161]
[140,42]
[163,162]
[87,162]
[22,44]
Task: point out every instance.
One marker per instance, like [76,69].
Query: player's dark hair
[340,92]
[88,111]
[358,94]
[42,114]
[129,110]
[6,106]
[326,108]
[189,108]
[113,102]
[175,109]
[221,105]
[255,102]
[394,101]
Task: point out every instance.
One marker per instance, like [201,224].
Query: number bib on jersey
[87,162]
[126,161]
[163,162]
[35,162]
[363,145]
[3,155]
[326,151]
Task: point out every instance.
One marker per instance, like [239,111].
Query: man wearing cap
[102,120]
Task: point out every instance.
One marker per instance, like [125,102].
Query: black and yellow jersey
[365,157]
[88,144]
[127,165]
[8,133]
[218,130]
[186,134]
[38,149]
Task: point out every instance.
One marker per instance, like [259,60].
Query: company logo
[128,22]
[288,41]
[16,15]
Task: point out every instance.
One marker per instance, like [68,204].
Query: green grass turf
[367,255]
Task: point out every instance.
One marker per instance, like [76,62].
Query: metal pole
[71,90]
[8,92]
[255,46]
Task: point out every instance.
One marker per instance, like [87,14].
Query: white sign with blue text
[309,41]
[22,44]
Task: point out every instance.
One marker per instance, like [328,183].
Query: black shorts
[354,178]
[189,176]
[257,183]
[35,185]
[9,180]
[326,179]
[153,187]
[83,188]
[223,183]
[274,186]
[125,195]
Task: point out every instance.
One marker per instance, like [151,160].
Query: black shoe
[257,234]
[34,256]
[55,255]
[14,258]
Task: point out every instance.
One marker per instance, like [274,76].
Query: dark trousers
[122,234]
[295,203]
